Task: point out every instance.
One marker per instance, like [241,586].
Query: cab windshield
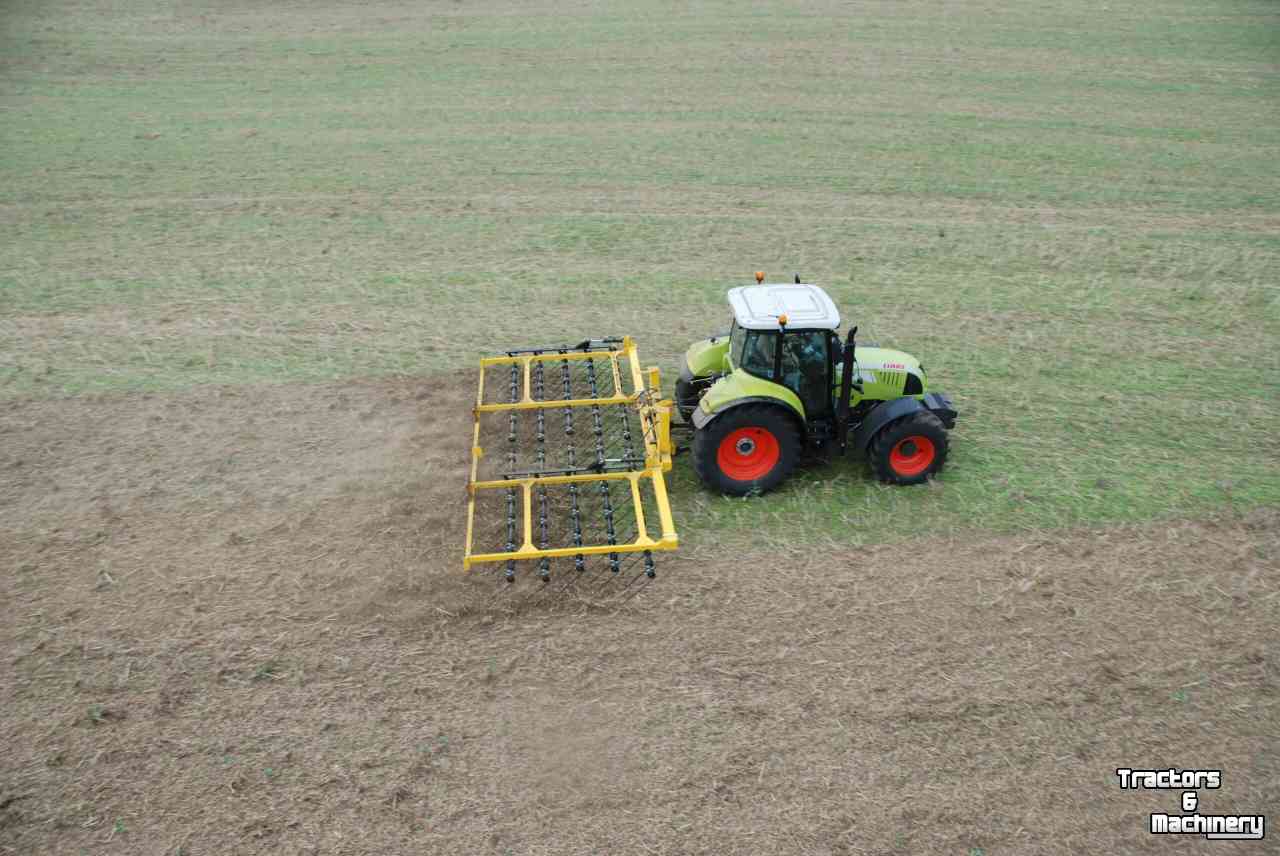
[753,350]
[737,338]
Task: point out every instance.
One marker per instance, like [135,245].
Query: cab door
[805,364]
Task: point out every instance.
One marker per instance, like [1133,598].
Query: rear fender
[936,403]
[882,416]
[701,418]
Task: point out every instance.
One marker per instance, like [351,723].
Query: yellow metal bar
[617,375]
[638,504]
[522,554]
[476,453]
[573,479]
[665,449]
[527,384]
[646,420]
[551,404]
[642,541]
[668,541]
[546,358]
[664,509]
[637,380]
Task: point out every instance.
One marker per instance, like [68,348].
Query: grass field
[287,220]
[1070,216]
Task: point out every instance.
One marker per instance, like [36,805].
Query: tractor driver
[804,364]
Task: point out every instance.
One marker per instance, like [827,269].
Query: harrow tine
[575,513]
[620,605]
[598,427]
[500,592]
[597,420]
[609,580]
[568,394]
[544,564]
[568,581]
[625,597]
[628,449]
[608,524]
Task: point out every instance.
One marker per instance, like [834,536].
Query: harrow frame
[527,395]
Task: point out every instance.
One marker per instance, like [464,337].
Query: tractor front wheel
[750,449]
[909,450]
[686,399]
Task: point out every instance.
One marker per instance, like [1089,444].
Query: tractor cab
[786,334]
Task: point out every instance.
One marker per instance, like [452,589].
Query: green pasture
[1069,212]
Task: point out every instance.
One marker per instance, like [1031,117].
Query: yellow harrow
[567,462]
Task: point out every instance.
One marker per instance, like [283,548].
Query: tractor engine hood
[887,360]
[706,357]
[886,373]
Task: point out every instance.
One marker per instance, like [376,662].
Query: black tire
[920,442]
[686,398]
[762,427]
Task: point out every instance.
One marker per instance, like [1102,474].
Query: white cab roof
[757,307]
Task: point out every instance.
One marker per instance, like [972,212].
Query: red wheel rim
[748,454]
[912,455]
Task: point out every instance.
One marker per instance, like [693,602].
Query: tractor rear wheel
[750,449]
[909,450]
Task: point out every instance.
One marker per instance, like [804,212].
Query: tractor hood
[886,359]
[886,374]
[706,357]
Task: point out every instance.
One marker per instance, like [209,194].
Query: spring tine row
[544,564]
[598,422]
[628,449]
[511,465]
[575,515]
[568,393]
[598,427]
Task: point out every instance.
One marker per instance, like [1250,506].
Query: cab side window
[805,366]
[757,353]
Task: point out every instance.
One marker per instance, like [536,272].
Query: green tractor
[781,382]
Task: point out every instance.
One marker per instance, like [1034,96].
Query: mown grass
[1070,214]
